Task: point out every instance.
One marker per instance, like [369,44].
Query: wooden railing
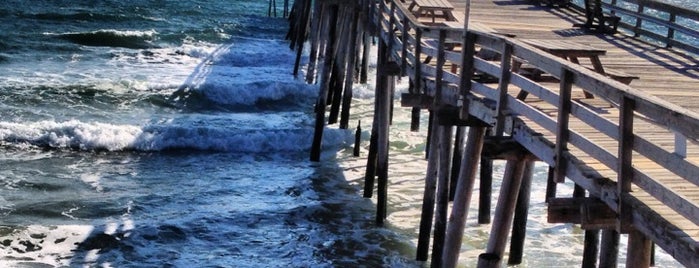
[436,86]
[671,25]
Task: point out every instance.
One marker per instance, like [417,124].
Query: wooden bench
[620,76]
[597,19]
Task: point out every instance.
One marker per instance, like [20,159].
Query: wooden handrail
[673,13]
[441,84]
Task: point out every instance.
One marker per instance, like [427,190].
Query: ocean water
[158,133]
[168,134]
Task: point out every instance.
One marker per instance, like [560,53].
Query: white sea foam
[174,134]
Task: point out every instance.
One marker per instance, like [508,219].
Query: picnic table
[429,8]
[572,51]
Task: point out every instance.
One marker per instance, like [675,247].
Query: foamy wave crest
[162,137]
[112,38]
[70,134]
[223,92]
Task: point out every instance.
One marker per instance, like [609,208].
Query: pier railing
[449,76]
[671,25]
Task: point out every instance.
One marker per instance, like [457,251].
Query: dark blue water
[168,134]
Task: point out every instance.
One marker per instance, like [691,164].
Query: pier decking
[623,125]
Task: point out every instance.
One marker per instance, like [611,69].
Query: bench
[620,76]
[598,19]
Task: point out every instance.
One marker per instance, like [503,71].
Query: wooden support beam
[459,139]
[609,249]
[504,212]
[349,76]
[519,226]
[486,186]
[462,198]
[591,213]
[638,251]
[324,87]
[502,148]
[440,217]
[428,198]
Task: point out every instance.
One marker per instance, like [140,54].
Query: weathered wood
[504,211]
[505,71]
[519,225]
[462,198]
[440,215]
[316,25]
[349,76]
[370,173]
[383,101]
[625,173]
[428,199]
[562,131]
[638,251]
[609,249]
[456,160]
[593,153]
[357,139]
[324,87]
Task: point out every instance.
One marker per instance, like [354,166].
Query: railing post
[467,54]
[440,69]
[417,77]
[505,74]
[671,31]
[562,133]
[639,21]
[404,52]
[625,172]
[680,145]
[391,25]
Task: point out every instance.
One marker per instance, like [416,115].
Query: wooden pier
[616,114]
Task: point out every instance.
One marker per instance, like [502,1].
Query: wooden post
[467,54]
[504,213]
[456,160]
[428,198]
[357,138]
[591,249]
[301,34]
[638,251]
[339,68]
[440,217]
[437,101]
[671,31]
[562,133]
[625,172]
[324,85]
[383,97]
[417,80]
[370,173]
[551,184]
[462,198]
[609,249]
[519,226]
[349,76]
[316,26]
[505,73]
[486,187]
